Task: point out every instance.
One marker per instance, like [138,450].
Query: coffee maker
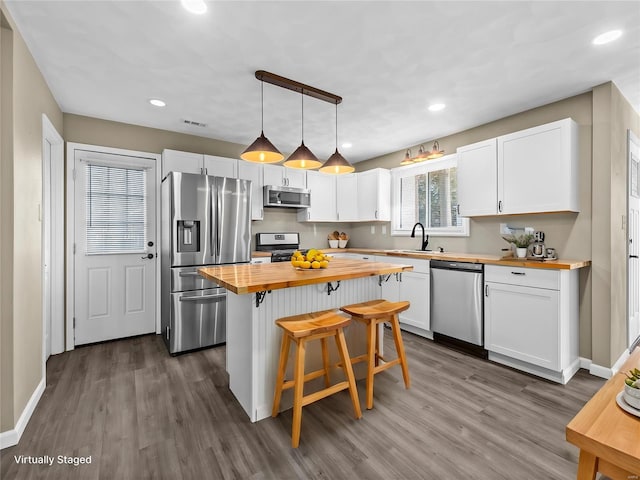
[537,248]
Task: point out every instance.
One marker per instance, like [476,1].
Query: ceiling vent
[194,123]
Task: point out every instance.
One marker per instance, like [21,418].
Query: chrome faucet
[425,238]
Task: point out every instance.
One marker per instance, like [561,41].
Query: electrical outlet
[373,229]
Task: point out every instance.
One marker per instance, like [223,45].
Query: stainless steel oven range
[280,245]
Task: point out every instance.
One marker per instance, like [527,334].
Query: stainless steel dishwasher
[457,302]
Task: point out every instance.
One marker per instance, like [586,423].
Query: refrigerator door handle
[217,224]
[202,298]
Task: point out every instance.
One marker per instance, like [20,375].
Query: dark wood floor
[140,413]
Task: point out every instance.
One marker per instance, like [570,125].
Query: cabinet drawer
[526,277]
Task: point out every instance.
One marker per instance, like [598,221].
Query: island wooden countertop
[246,278]
[608,437]
[560,264]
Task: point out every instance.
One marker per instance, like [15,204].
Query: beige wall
[595,233]
[31,98]
[95,131]
[612,117]
[6,234]
[569,233]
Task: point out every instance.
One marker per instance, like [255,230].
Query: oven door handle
[202,297]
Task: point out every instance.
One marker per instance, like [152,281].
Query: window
[116,206]
[427,193]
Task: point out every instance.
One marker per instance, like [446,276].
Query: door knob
[148,256]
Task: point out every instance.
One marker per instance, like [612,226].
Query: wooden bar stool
[302,329]
[373,313]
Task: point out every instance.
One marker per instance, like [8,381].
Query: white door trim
[632,141]
[56,222]
[70,284]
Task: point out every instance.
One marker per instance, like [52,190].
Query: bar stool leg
[395,326]
[348,372]
[282,368]
[325,362]
[297,392]
[371,360]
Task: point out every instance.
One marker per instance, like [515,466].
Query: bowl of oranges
[313,259]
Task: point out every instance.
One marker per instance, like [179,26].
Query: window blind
[116,209]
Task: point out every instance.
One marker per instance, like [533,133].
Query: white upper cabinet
[347,197]
[323,198]
[185,162]
[530,171]
[538,169]
[220,166]
[374,195]
[253,171]
[282,176]
[478,178]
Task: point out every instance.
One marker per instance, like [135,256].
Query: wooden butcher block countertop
[560,264]
[245,278]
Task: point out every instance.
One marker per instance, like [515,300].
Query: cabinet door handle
[486,290]
[376,214]
[518,273]
[500,206]
[633,256]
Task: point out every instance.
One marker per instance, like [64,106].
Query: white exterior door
[115,246]
[633,231]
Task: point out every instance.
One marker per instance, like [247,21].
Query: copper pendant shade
[336,163]
[262,150]
[302,157]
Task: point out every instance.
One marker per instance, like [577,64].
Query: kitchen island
[260,294]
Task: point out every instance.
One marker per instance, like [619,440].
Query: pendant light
[336,163]
[302,157]
[262,150]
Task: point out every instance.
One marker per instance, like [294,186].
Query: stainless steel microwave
[276,196]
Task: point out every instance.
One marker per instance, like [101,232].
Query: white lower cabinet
[413,286]
[531,320]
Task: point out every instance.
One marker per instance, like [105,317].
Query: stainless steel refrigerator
[205,221]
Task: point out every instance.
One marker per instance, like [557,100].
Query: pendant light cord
[262,106]
[336,127]
[302,116]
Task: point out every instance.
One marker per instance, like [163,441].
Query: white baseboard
[604,372]
[623,358]
[12,437]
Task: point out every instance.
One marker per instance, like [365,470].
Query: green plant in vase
[521,242]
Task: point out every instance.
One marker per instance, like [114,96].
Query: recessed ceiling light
[156,102]
[436,107]
[347,145]
[194,6]
[607,37]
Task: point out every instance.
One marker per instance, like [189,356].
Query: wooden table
[608,437]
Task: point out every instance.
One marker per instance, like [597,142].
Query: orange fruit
[306,264]
[315,264]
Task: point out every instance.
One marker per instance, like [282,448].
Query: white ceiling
[387,59]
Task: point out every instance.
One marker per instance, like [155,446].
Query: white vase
[521,252]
